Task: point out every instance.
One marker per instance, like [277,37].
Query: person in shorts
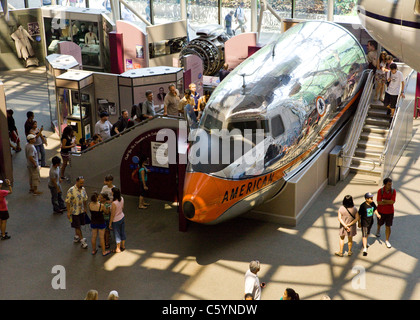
[386,199]
[395,88]
[76,201]
[98,224]
[366,211]
[4,213]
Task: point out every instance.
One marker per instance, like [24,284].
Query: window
[277,126]
[346,11]
[312,9]
[242,125]
[211,122]
[201,13]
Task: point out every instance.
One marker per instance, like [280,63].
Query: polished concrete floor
[206,262]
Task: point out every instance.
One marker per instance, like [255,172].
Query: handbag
[86,218]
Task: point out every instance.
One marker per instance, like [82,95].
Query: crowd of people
[389,81]
[94,295]
[350,218]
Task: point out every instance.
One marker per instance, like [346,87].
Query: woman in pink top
[4,213]
[117,220]
[348,217]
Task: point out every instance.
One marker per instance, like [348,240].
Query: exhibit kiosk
[133,84]
[75,97]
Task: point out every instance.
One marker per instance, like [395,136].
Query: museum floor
[206,262]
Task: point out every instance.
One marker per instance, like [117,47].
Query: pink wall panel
[135,45]
[236,48]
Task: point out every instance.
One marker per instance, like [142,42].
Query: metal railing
[78,153]
[399,134]
[356,128]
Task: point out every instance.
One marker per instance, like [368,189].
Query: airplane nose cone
[189,210]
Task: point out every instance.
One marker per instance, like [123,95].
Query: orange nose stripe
[212,196]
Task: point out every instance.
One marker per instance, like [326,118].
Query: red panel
[116,52]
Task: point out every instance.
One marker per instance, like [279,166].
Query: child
[104,199]
[106,193]
[4,213]
[83,144]
[95,140]
[108,185]
[366,211]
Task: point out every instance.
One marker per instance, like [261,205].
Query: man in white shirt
[103,126]
[395,79]
[252,282]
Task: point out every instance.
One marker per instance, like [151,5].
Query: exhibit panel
[6,166]
[135,49]
[106,96]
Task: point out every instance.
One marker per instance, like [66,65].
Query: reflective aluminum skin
[281,104]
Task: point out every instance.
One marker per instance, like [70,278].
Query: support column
[330,10]
[254,16]
[115,9]
[183,9]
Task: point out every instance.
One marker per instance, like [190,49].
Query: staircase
[367,156]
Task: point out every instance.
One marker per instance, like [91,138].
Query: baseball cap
[368,195]
[30,136]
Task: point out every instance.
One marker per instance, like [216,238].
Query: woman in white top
[117,220]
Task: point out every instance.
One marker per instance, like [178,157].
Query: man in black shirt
[366,211]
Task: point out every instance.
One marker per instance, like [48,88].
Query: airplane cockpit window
[211,122]
[242,125]
[277,126]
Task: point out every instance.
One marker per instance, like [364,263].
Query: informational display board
[162,177]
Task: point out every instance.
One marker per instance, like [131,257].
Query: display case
[87,28]
[57,64]
[75,102]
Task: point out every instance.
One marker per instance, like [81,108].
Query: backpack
[135,175]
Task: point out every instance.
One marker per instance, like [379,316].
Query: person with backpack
[386,199]
[240,18]
[142,173]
